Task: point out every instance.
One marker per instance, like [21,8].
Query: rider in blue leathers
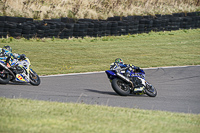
[119,64]
[7,55]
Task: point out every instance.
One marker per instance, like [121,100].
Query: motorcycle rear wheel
[120,87]
[4,78]
[34,78]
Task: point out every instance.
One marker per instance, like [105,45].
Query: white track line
[71,74]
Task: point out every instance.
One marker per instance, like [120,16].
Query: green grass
[56,56]
[29,116]
[61,56]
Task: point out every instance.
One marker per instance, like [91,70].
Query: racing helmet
[7,48]
[119,60]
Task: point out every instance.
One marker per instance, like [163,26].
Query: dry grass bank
[94,9]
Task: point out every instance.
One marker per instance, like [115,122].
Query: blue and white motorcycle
[126,81]
[18,71]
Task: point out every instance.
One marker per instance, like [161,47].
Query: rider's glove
[137,68]
[22,57]
[132,66]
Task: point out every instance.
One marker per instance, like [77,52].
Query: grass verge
[155,49]
[22,115]
[54,56]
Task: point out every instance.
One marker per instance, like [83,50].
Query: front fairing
[25,65]
[21,78]
[139,73]
[127,73]
[111,74]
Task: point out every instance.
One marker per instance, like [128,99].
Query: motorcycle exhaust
[124,78]
[5,67]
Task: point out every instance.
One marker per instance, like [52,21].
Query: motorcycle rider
[6,54]
[119,65]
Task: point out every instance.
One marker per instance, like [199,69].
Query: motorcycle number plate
[19,77]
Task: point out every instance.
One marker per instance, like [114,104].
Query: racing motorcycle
[126,81]
[18,71]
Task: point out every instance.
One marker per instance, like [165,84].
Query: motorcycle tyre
[150,94]
[117,89]
[6,80]
[38,79]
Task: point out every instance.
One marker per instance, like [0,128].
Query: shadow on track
[102,92]
[114,94]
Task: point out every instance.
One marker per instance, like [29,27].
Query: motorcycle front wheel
[34,78]
[150,90]
[120,87]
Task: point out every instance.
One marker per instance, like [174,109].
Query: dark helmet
[7,48]
[119,60]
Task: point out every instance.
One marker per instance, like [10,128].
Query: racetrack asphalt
[178,90]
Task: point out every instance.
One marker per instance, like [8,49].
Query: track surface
[178,90]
